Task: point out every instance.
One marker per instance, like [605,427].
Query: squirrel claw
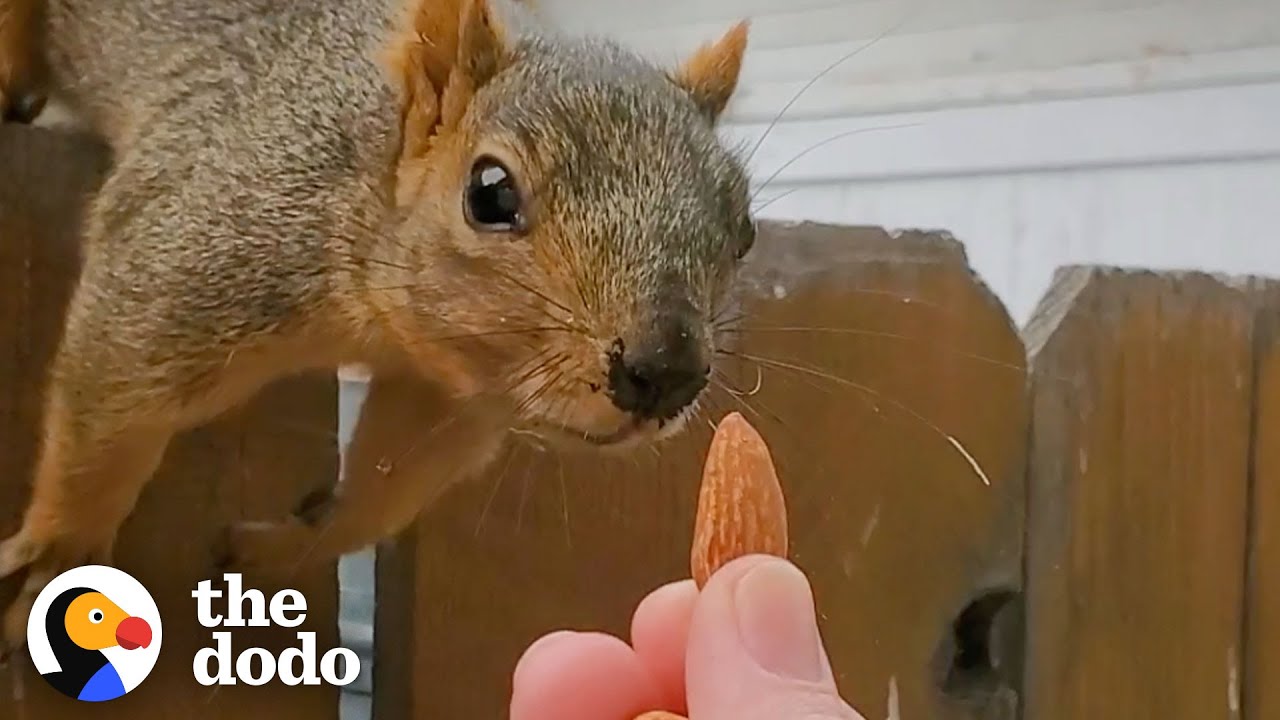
[314,506]
[269,547]
[43,561]
[16,553]
[15,616]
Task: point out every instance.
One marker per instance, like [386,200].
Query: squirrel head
[572,215]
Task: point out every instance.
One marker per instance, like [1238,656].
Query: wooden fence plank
[1262,639]
[895,527]
[1141,412]
[253,463]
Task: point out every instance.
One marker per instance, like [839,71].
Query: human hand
[746,648]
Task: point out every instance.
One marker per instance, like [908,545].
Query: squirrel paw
[43,560]
[272,548]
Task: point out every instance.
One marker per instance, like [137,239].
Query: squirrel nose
[657,384]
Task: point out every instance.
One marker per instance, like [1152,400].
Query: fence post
[254,463]
[1262,626]
[875,353]
[1141,412]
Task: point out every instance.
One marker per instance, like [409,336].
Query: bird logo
[94,633]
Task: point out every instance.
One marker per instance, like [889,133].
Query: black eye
[747,240]
[96,616]
[492,202]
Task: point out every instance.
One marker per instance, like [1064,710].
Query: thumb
[754,650]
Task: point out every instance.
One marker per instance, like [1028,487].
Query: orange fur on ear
[481,48]
[711,75]
[442,52]
[426,42]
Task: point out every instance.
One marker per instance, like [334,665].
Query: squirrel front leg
[93,464]
[411,444]
[119,390]
[87,481]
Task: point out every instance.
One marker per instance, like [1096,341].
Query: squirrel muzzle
[660,376]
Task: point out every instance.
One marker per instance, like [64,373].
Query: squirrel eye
[492,202]
[96,616]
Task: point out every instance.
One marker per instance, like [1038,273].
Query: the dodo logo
[94,633]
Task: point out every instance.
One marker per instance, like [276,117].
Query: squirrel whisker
[740,393]
[493,333]
[772,200]
[870,392]
[555,376]
[493,492]
[883,336]
[533,364]
[533,290]
[823,73]
[758,412]
[721,324]
[374,260]
[838,136]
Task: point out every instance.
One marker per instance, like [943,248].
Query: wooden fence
[1078,520]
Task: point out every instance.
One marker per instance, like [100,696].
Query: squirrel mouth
[617,437]
[633,430]
[620,437]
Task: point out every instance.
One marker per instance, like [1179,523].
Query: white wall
[1039,132]
[1182,179]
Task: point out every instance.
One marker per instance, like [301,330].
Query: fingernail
[776,620]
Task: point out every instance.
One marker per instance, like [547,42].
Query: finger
[533,654]
[581,676]
[660,634]
[754,647]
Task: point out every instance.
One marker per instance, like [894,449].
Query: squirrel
[516,231]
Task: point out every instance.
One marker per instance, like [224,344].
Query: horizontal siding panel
[631,18]
[1017,229]
[1203,125]
[828,98]
[857,22]
[615,17]
[1169,30]
[961,50]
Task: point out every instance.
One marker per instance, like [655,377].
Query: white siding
[1019,227]
[929,53]
[1039,132]
[1182,179]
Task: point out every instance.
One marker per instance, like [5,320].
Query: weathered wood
[1141,411]
[254,463]
[1262,626]
[879,347]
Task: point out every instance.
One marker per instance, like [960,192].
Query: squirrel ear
[711,75]
[439,40]
[482,48]
[442,51]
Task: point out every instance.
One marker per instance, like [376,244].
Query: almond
[741,510]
